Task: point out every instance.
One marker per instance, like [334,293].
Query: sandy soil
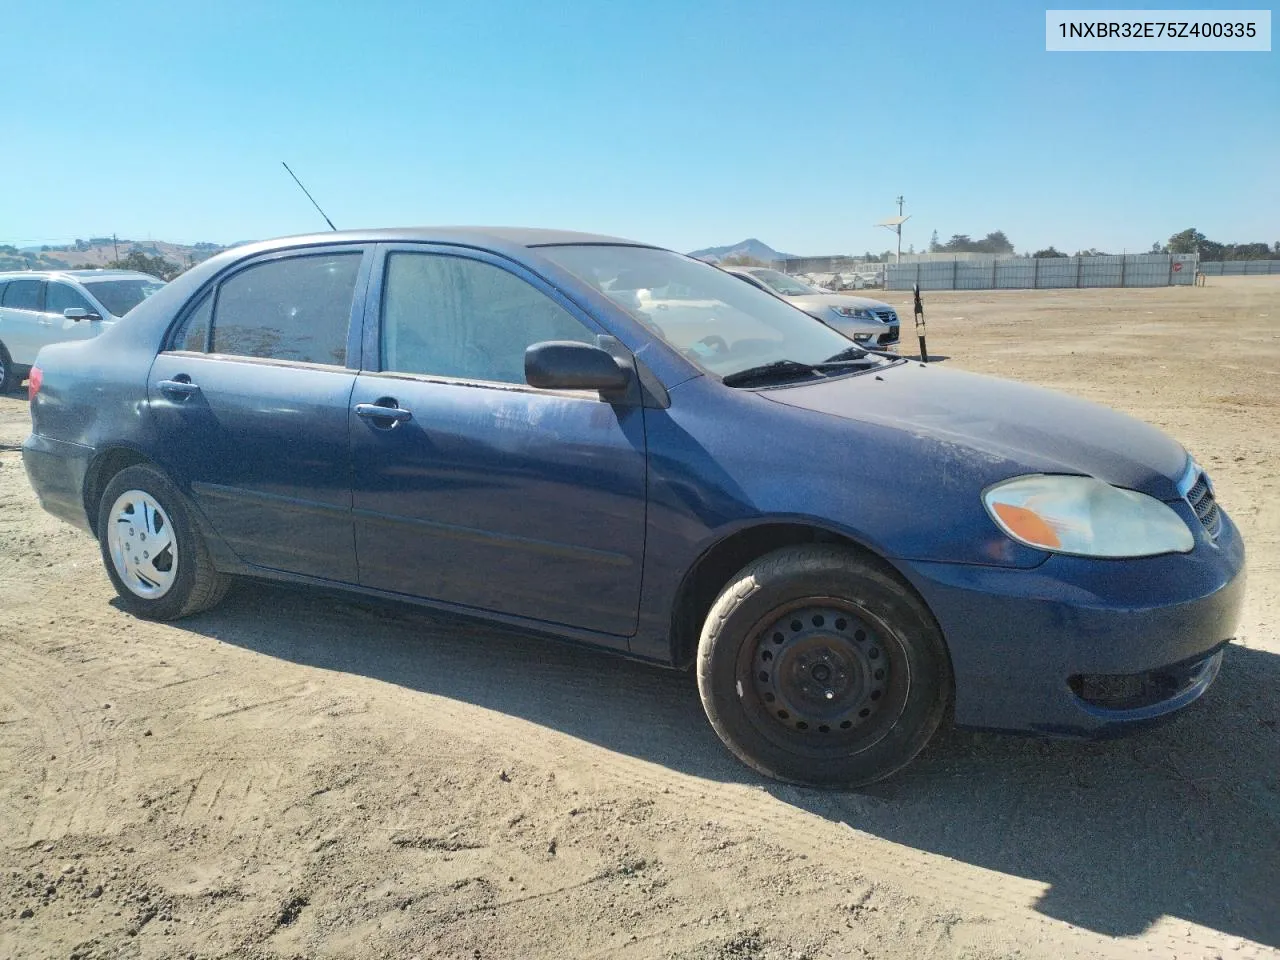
[302,775]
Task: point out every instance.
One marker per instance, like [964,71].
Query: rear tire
[816,666]
[10,373]
[154,554]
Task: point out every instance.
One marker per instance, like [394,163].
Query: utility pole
[895,224]
[900,202]
[115,248]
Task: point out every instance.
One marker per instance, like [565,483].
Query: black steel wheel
[823,666]
[818,666]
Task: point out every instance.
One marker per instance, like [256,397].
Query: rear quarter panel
[93,392]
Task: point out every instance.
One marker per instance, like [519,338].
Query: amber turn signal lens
[1026,525]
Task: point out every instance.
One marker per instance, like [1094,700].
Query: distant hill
[750,247]
[99,251]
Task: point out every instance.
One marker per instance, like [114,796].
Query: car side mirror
[570,365]
[80,313]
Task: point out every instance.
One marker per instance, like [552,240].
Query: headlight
[1084,516]
[857,313]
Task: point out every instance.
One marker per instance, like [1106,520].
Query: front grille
[1202,502]
[885,316]
[890,336]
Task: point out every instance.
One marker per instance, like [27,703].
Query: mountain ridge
[750,247]
[99,251]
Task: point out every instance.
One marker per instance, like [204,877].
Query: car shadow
[1182,819]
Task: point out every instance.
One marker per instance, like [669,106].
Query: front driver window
[59,297]
[454,317]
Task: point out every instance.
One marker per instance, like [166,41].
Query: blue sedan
[607,442]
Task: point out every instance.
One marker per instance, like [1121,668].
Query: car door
[250,400]
[20,319]
[56,327]
[490,493]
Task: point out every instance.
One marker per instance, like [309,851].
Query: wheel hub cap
[821,669]
[142,546]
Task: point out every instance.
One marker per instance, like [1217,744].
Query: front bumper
[1080,647]
[56,470]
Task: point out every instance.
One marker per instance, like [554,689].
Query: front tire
[155,556]
[816,666]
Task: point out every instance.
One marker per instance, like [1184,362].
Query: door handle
[384,409]
[179,387]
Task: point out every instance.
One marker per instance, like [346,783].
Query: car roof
[75,275]
[463,235]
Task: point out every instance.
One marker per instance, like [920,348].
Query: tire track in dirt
[77,754]
[1004,900]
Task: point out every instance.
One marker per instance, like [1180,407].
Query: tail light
[34,379]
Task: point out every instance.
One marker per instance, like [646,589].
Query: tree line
[1190,240]
[993,242]
[156,266]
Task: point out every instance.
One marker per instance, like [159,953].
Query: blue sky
[682,123]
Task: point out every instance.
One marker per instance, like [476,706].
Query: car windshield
[121,296]
[721,324]
[785,285]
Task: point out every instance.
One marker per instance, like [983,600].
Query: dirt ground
[301,775]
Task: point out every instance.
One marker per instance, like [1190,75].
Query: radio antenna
[309,196]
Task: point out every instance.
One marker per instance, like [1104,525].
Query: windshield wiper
[765,372]
[849,353]
[861,352]
[784,369]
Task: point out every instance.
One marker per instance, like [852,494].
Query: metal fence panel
[1230,268]
[1015,274]
[1131,270]
[1054,272]
[1154,270]
[1101,272]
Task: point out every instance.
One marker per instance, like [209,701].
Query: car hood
[1004,422]
[826,300]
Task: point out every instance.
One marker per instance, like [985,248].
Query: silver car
[39,307]
[858,318]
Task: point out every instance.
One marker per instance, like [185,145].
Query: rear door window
[193,335]
[22,295]
[296,309]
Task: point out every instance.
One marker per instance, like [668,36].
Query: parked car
[861,279]
[858,318]
[42,307]
[491,422]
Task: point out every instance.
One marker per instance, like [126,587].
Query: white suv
[38,307]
